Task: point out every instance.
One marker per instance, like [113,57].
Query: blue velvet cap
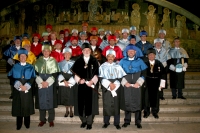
[22,51]
[143,33]
[131,36]
[17,37]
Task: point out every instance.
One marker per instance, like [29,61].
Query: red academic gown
[57,56]
[76,52]
[36,49]
[117,49]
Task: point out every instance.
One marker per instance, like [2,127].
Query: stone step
[167,92]
[163,108]
[163,118]
[168,101]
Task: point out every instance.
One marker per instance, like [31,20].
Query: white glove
[172,67]
[184,69]
[164,64]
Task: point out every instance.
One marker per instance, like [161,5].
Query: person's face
[107,35]
[161,35]
[27,47]
[67,55]
[35,39]
[66,34]
[101,33]
[22,58]
[45,37]
[53,36]
[110,58]
[143,38]
[125,35]
[93,42]
[74,34]
[61,36]
[46,53]
[83,37]
[58,46]
[25,37]
[48,30]
[74,42]
[131,53]
[86,52]
[17,42]
[133,32]
[133,41]
[117,35]
[112,42]
[151,56]
[176,43]
[158,45]
[84,28]
[94,32]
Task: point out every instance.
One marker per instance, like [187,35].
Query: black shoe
[11,97]
[146,115]
[182,97]
[138,125]
[173,97]
[118,127]
[71,115]
[156,116]
[83,125]
[66,114]
[27,126]
[162,98]
[105,125]
[89,127]
[125,124]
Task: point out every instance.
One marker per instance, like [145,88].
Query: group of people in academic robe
[132,74]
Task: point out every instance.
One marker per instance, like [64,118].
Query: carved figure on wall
[85,16]
[21,21]
[92,9]
[184,27]
[99,17]
[49,15]
[36,18]
[178,29]
[126,17]
[166,18]
[135,16]
[106,17]
[151,20]
[196,27]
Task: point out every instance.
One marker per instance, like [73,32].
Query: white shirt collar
[86,59]
[177,48]
[23,64]
[112,46]
[125,40]
[131,58]
[143,42]
[152,62]
[93,47]
[17,47]
[74,46]
[58,50]
[35,43]
[46,58]
[53,41]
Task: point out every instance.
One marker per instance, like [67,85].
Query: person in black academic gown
[155,81]
[23,75]
[111,74]
[86,70]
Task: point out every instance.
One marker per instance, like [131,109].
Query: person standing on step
[8,56]
[163,56]
[22,75]
[155,81]
[165,43]
[47,70]
[86,70]
[135,69]
[177,67]
[66,83]
[110,74]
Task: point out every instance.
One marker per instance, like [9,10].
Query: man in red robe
[57,52]
[36,46]
[76,50]
[94,32]
[112,42]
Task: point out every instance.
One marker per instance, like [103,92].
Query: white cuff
[162,83]
[27,86]
[140,81]
[185,65]
[184,68]
[17,85]
[172,67]
[164,64]
[124,81]
[77,78]
[105,83]
[95,79]
[61,78]
[50,81]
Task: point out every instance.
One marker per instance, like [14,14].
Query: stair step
[163,118]
[163,108]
